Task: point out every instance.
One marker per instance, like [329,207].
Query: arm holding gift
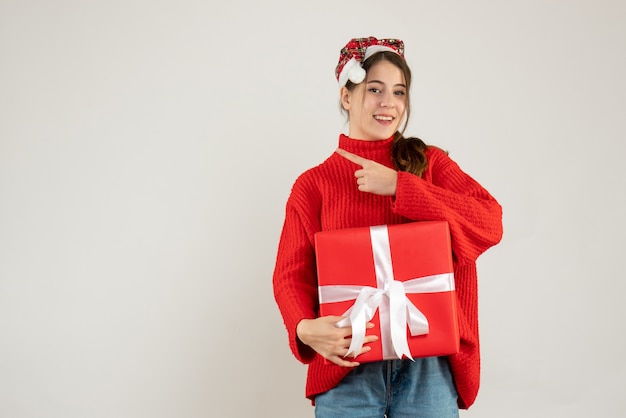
[295,286]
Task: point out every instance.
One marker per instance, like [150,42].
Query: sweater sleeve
[474,216]
[294,279]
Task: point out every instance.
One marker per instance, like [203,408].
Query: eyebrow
[380,82]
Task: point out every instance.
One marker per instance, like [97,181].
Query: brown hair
[408,153]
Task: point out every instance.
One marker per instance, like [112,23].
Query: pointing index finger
[351,157]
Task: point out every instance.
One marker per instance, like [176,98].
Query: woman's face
[376,106]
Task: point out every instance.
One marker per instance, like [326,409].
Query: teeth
[387,118]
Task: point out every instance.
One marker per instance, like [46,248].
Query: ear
[345,97]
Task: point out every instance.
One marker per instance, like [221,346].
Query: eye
[373,90]
[399,93]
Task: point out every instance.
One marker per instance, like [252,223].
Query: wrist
[301,330]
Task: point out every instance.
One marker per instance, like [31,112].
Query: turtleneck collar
[379,150]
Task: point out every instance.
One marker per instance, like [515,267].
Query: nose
[386,100]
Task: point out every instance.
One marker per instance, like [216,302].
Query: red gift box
[399,277]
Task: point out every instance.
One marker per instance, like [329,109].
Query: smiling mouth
[383,118]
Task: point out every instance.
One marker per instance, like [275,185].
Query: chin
[387,134]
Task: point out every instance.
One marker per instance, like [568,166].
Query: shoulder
[438,158]
[435,152]
[306,187]
[314,176]
[308,178]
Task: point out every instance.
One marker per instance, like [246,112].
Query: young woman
[377,176]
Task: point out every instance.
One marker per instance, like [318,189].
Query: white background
[147,149]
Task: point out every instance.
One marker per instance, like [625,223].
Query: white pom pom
[356,74]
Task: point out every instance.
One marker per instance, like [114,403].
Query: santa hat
[358,50]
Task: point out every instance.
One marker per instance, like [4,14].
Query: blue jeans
[393,389]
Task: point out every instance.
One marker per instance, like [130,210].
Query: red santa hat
[358,50]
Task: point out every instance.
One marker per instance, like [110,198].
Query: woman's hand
[330,341]
[372,177]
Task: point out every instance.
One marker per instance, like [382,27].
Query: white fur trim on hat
[371,50]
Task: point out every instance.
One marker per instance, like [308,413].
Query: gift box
[399,277]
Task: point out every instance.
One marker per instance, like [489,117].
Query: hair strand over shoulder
[408,154]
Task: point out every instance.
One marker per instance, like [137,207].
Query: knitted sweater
[326,197]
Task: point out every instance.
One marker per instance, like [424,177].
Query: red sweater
[326,197]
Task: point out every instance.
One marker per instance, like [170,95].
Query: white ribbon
[396,310]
